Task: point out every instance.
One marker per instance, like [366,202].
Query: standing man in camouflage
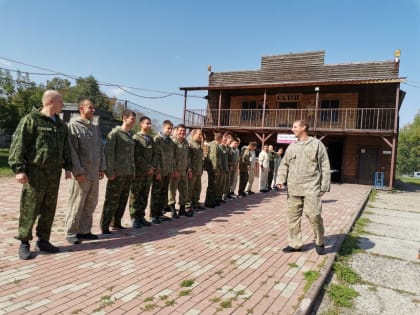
[213,169]
[226,165]
[306,170]
[88,161]
[182,174]
[145,161]
[251,170]
[196,165]
[120,170]
[165,164]
[271,158]
[244,166]
[38,153]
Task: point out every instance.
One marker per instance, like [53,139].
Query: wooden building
[352,107]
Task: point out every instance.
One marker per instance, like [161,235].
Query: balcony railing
[378,119]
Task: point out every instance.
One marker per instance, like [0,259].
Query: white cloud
[5,63]
[117,92]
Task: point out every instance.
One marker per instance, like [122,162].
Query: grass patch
[226,304]
[169,302]
[185,292]
[341,295]
[4,165]
[187,283]
[410,180]
[372,195]
[149,307]
[310,276]
[345,273]
[215,300]
[148,299]
[292,265]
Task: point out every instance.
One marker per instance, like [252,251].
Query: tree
[408,158]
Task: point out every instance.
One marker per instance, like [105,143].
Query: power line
[123,88]
[80,94]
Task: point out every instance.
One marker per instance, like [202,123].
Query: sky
[157,45]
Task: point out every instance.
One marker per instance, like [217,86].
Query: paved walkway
[226,260]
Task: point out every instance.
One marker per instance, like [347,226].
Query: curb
[308,300]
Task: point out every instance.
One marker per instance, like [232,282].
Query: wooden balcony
[347,120]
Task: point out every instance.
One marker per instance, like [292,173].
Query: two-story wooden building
[352,107]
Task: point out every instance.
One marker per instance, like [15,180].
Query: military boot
[175,215]
[182,210]
[24,251]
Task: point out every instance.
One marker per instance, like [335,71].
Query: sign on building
[286,138]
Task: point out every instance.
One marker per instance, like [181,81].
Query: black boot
[182,210]
[173,212]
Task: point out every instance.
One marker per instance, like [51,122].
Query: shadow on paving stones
[132,236]
[328,200]
[365,243]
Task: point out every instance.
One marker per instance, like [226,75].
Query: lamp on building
[397,54]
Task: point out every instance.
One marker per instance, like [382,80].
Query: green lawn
[410,180]
[4,166]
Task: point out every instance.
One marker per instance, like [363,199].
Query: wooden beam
[386,141]
[394,139]
[185,105]
[264,105]
[220,109]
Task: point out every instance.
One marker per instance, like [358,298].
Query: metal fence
[378,119]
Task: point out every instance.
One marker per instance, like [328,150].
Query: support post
[185,106]
[220,109]
[316,108]
[394,139]
[264,105]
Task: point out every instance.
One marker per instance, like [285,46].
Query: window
[329,110]
[248,110]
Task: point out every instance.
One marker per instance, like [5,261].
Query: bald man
[38,153]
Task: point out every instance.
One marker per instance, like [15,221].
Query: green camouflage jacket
[119,153]
[165,155]
[305,168]
[144,153]
[40,142]
[196,158]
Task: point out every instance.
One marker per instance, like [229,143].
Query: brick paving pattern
[225,260]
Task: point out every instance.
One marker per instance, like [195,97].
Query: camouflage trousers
[139,195]
[38,200]
[270,178]
[311,207]
[211,194]
[180,184]
[220,184]
[82,203]
[233,179]
[251,174]
[226,187]
[159,195]
[194,190]
[243,179]
[116,198]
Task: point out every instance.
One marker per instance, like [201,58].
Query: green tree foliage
[19,95]
[408,159]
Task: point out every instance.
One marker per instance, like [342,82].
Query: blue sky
[163,45]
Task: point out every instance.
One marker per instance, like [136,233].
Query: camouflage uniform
[223,171]
[251,170]
[244,164]
[119,154]
[88,159]
[306,170]
[271,157]
[144,159]
[196,165]
[40,149]
[182,164]
[229,153]
[165,157]
[213,170]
